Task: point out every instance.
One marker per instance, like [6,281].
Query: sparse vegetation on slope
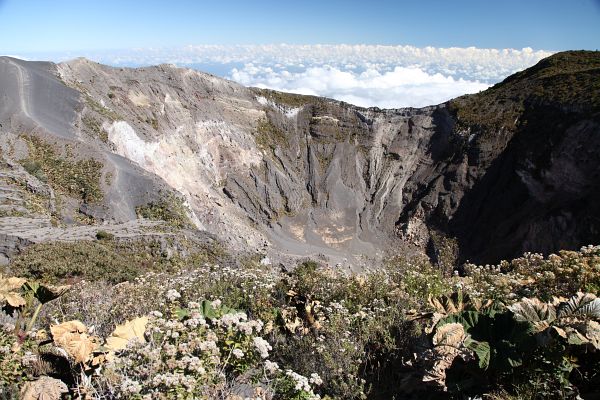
[79,178]
[106,259]
[269,137]
[170,209]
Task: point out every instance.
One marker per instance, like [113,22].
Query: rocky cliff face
[509,170]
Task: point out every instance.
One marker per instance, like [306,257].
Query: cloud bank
[401,87]
[366,75]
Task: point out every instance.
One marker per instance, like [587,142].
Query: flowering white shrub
[203,351]
[262,346]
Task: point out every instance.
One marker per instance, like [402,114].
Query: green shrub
[12,371]
[103,235]
[568,78]
[201,350]
[269,137]
[35,169]
[287,99]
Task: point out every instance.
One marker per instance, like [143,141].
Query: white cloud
[15,56]
[368,75]
[401,87]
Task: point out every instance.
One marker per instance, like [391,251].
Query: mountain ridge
[302,176]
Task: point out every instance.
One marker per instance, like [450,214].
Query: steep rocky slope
[536,150]
[491,175]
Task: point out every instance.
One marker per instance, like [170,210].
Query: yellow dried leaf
[557,300]
[449,335]
[16,347]
[72,336]
[561,332]
[435,318]
[14,283]
[8,291]
[74,326]
[79,346]
[436,304]
[122,334]
[102,358]
[448,341]
[268,327]
[44,388]
[291,320]
[13,299]
[479,304]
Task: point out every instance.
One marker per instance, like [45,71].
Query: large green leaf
[45,293]
[575,337]
[581,333]
[468,319]
[509,340]
[482,350]
[182,313]
[210,312]
[123,334]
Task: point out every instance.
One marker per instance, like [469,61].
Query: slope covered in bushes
[527,328]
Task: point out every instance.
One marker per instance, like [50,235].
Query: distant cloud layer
[403,86]
[366,75]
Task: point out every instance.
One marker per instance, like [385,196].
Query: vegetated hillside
[517,330]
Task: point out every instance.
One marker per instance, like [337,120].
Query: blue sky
[63,25]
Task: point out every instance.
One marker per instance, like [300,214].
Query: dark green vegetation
[530,144]
[95,127]
[287,99]
[79,178]
[569,79]
[103,235]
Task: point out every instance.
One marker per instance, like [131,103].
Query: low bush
[170,209]
[103,235]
